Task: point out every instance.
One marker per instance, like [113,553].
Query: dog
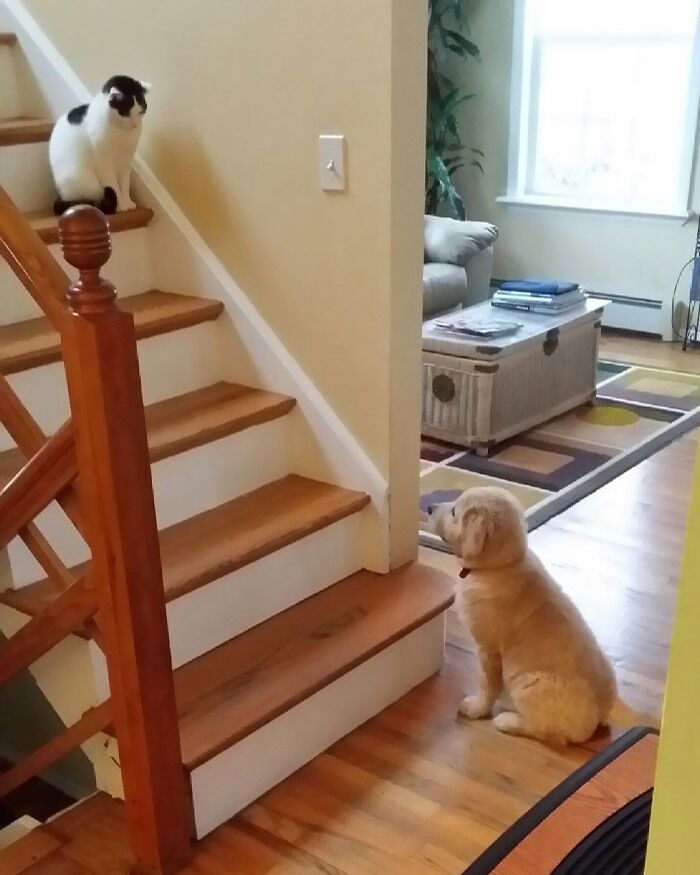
[530,637]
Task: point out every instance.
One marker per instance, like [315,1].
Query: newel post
[104,384]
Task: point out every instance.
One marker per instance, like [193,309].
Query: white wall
[609,253]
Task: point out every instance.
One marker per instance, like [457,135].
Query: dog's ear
[476,529]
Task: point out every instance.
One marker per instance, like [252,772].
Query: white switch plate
[332,162]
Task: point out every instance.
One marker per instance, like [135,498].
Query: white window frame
[521,134]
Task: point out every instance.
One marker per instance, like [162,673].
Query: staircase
[280,640]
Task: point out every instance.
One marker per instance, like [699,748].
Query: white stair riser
[236,777]
[129,269]
[170,365]
[10,103]
[221,610]
[25,175]
[225,469]
[207,476]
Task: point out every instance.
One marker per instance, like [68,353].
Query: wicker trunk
[478,393]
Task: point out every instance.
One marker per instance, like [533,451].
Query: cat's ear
[146,86]
[115,92]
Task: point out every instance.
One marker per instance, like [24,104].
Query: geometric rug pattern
[637,411]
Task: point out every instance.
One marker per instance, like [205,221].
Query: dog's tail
[623,716]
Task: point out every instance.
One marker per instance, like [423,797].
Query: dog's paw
[509,722]
[475,707]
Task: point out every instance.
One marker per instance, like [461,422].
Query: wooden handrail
[36,485]
[30,259]
[25,431]
[99,351]
[63,616]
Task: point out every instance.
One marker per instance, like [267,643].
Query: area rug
[638,411]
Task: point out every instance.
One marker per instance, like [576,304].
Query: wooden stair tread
[214,543]
[204,415]
[35,342]
[225,538]
[7,39]
[240,686]
[191,420]
[46,224]
[15,131]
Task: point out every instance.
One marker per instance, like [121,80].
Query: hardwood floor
[415,790]
[617,346]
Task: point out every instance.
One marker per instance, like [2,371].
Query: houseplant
[446,153]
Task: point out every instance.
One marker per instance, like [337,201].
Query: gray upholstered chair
[457,263]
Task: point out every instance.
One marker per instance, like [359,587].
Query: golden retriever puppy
[529,635]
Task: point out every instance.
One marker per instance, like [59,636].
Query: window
[605,104]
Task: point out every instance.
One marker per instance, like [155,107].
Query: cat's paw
[475,707]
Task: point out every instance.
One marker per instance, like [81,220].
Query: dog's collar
[465,572]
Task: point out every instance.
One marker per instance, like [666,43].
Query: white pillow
[453,242]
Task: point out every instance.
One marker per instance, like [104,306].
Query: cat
[92,146]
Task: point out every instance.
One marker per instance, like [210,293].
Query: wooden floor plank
[37,845]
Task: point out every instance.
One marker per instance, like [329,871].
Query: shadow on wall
[27,721]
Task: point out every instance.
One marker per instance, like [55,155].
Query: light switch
[332,162]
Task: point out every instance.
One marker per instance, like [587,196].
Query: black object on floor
[615,847]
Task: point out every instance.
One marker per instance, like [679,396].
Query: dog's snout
[431,508]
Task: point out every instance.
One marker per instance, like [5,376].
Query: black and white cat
[92,147]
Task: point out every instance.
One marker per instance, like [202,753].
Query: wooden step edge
[349,623]
[8,39]
[46,225]
[35,597]
[39,343]
[343,503]
[203,416]
[173,427]
[20,131]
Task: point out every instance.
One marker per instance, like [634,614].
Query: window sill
[553,203]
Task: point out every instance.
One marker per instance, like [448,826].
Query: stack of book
[538,296]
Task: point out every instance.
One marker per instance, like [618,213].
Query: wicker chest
[477,393]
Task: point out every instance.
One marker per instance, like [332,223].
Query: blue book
[538,287]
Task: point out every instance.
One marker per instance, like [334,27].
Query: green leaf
[475,163]
[461,44]
[477,152]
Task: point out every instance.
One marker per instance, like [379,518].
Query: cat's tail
[108,204]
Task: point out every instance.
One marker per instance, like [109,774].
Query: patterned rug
[638,411]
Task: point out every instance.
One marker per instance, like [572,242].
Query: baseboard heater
[631,313]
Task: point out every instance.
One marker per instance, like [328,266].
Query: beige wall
[607,252]
[241,91]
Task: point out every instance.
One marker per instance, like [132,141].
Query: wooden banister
[25,431]
[63,616]
[99,350]
[30,259]
[60,577]
[36,485]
